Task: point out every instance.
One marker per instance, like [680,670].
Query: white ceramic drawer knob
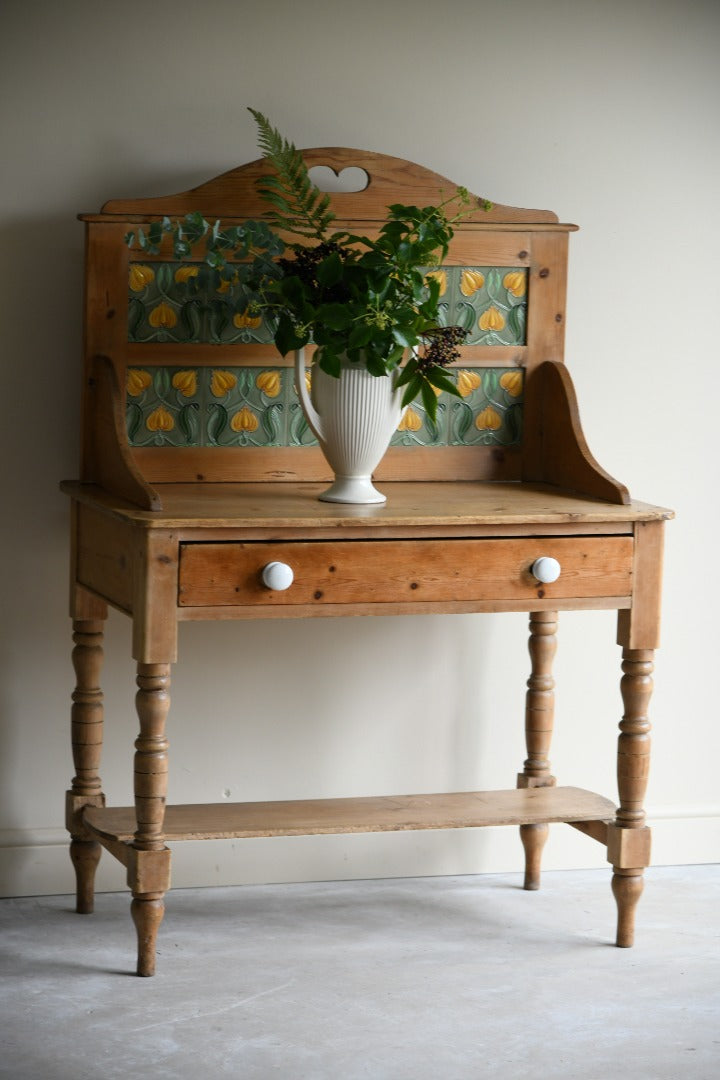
[545,569]
[277,576]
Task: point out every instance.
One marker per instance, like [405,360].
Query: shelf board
[388,813]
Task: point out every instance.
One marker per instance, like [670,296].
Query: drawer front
[403,571]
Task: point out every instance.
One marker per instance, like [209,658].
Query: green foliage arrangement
[370,301]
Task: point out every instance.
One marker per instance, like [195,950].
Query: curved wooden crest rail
[168,528]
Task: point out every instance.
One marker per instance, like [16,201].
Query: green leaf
[330,271]
[136,311]
[375,364]
[194,218]
[429,400]
[463,420]
[516,322]
[405,337]
[161,382]
[190,318]
[394,357]
[491,381]
[286,337]
[291,292]
[187,422]
[360,334]
[407,372]
[242,297]
[394,230]
[412,390]
[271,422]
[164,276]
[432,285]
[330,362]
[220,315]
[513,423]
[465,316]
[402,212]
[334,316]
[300,207]
[217,420]
[443,382]
[133,420]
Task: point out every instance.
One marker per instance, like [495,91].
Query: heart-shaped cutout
[351,178]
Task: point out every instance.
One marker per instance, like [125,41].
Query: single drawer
[403,571]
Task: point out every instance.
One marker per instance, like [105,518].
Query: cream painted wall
[603,111]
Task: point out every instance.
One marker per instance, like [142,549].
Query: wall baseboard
[35,862]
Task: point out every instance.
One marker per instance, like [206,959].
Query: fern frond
[299,206]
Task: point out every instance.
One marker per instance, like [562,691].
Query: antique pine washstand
[198,473]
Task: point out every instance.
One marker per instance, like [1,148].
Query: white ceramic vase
[353,419]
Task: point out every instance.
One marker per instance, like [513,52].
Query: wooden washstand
[189,489]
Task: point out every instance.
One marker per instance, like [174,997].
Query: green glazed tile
[490,303]
[417,429]
[246,407]
[182,302]
[163,406]
[165,303]
[490,412]
[258,406]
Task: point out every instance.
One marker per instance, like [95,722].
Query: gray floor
[429,979]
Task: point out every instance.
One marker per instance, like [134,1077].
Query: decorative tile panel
[489,413]
[489,302]
[491,410]
[246,406]
[258,406]
[164,407]
[181,302]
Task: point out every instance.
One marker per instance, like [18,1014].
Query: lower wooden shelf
[387,813]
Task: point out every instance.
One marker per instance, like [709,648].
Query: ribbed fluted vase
[353,418]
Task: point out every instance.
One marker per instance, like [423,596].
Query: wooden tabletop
[441,504]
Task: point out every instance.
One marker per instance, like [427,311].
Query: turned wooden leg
[85,856]
[147,916]
[627,887]
[628,837]
[87,734]
[149,866]
[539,715]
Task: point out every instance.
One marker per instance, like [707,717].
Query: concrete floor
[408,979]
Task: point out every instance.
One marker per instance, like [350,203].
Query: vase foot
[352,489]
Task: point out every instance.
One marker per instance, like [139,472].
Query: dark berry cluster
[307,260]
[442,347]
